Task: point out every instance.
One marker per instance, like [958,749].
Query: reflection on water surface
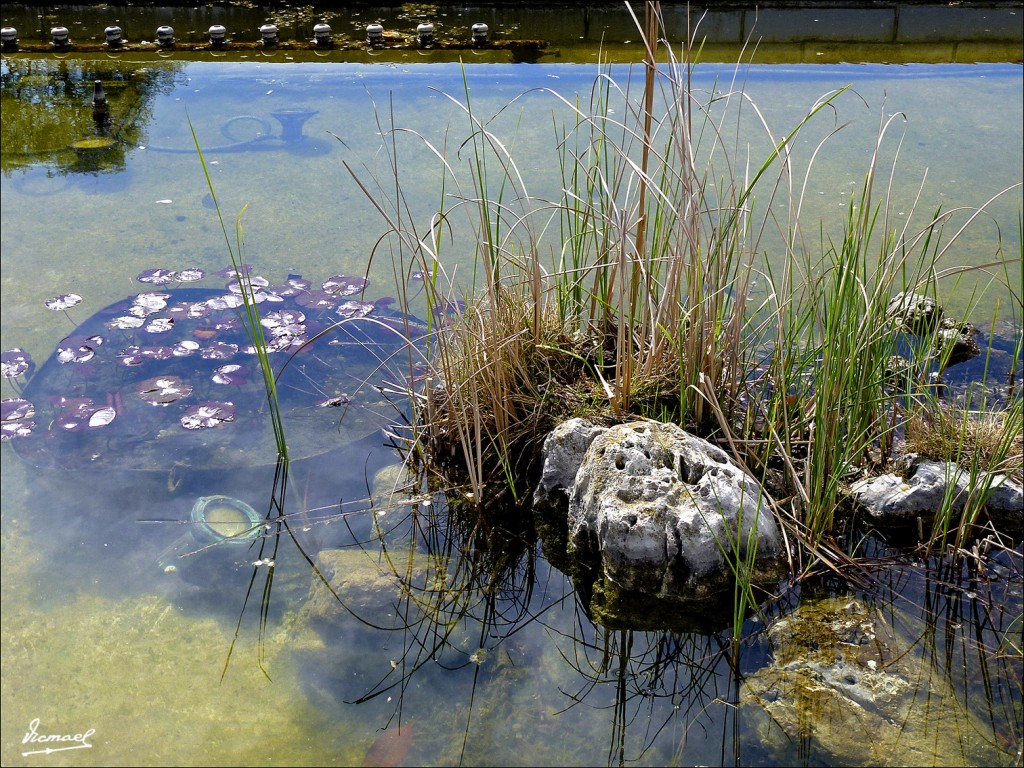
[434,636]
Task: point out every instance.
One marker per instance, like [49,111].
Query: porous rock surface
[657,507]
[923,489]
[850,690]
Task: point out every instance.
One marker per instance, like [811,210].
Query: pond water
[450,640]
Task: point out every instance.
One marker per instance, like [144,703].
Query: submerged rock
[844,685]
[661,510]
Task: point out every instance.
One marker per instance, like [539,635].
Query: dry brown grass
[993,440]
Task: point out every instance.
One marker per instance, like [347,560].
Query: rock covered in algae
[844,683]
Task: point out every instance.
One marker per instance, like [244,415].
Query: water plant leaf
[354,309]
[146,304]
[16,408]
[293,286]
[219,350]
[228,301]
[78,413]
[207,415]
[14,362]
[102,416]
[232,269]
[254,281]
[125,323]
[333,402]
[160,325]
[185,347]
[78,349]
[232,373]
[163,390]
[342,285]
[316,300]
[16,428]
[190,275]
[191,310]
[156,276]
[60,303]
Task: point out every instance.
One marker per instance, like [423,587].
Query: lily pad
[111,397]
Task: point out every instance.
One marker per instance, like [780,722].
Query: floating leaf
[78,349]
[253,282]
[60,303]
[354,309]
[206,415]
[316,300]
[78,413]
[15,362]
[219,350]
[131,356]
[220,303]
[125,323]
[162,390]
[231,373]
[231,271]
[15,408]
[16,428]
[190,275]
[156,276]
[101,417]
[148,303]
[293,287]
[160,325]
[135,355]
[342,285]
[185,348]
[288,322]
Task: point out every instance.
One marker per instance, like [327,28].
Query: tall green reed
[632,293]
[250,311]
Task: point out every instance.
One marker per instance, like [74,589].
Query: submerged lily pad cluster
[167,327]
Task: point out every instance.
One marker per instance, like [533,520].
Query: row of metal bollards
[114,36]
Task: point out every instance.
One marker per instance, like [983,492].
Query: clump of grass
[632,294]
[993,440]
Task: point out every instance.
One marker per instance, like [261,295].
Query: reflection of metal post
[165,36]
[100,108]
[113,37]
[9,36]
[322,35]
[268,34]
[218,36]
[425,35]
[61,40]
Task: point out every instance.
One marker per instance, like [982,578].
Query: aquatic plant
[634,293]
[251,316]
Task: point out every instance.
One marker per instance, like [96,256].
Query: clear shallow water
[503,666]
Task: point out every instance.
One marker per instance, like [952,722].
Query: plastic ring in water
[223,519]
